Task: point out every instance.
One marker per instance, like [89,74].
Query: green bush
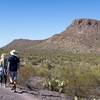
[25,73]
[79,73]
[54,85]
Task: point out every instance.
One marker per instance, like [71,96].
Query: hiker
[13,66]
[3,69]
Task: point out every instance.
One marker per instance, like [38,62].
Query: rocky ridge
[82,35]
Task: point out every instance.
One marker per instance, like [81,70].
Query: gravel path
[24,94]
[7,94]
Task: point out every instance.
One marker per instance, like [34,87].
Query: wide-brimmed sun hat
[13,52]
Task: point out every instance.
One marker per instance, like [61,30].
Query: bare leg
[14,86]
[5,79]
[1,79]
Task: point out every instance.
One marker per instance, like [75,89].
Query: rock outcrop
[83,35]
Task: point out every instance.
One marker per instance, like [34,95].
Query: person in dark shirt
[13,66]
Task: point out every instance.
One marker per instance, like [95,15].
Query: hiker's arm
[8,64]
[0,62]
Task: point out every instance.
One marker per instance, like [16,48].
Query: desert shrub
[80,73]
[78,79]
[54,85]
[25,73]
[42,70]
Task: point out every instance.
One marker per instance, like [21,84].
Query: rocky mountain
[82,35]
[22,44]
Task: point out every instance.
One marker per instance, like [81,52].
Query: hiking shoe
[13,87]
[1,84]
[5,85]
[15,91]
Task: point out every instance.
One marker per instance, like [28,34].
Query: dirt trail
[7,94]
[24,94]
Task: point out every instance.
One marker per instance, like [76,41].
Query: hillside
[82,35]
[23,45]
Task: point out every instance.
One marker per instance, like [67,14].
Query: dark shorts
[13,75]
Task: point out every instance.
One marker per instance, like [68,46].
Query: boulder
[35,83]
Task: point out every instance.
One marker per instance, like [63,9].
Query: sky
[40,19]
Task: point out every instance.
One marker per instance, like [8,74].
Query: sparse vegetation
[73,74]
[79,72]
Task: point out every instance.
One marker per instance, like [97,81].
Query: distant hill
[82,35]
[22,44]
